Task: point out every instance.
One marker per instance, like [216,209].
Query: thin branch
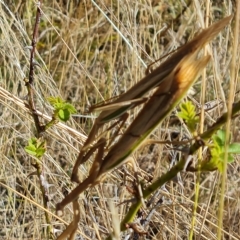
[29,84]
[30,81]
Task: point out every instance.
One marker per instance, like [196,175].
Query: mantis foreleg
[90,181]
[86,152]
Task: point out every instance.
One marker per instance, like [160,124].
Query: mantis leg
[85,155]
[123,119]
[90,181]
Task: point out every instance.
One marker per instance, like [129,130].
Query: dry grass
[85,60]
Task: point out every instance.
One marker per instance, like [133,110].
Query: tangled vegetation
[138,155]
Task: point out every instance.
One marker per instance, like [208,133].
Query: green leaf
[188,114]
[230,158]
[234,148]
[70,108]
[62,109]
[36,147]
[211,165]
[30,150]
[217,150]
[217,141]
[32,142]
[56,102]
[220,137]
[40,152]
[220,166]
[64,115]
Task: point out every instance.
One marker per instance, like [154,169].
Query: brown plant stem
[30,82]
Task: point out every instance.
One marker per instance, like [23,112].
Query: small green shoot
[36,147]
[188,114]
[62,109]
[217,149]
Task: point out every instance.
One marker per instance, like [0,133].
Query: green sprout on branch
[62,109]
[36,147]
[217,151]
[188,114]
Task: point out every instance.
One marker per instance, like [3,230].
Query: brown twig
[40,128]
[30,82]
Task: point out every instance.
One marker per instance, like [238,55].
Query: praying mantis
[134,96]
[170,82]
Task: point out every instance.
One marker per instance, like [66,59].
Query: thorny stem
[33,109]
[34,41]
[29,84]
